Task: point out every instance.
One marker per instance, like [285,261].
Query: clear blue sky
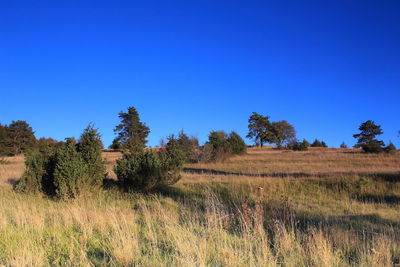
[325,66]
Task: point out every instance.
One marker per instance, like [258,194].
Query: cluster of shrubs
[219,147]
[65,169]
[318,143]
[299,146]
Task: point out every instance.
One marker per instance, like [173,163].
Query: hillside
[321,207]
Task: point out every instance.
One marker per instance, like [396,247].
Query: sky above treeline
[324,66]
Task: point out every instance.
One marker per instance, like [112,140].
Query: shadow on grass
[13,182]
[383,199]
[389,177]
[284,211]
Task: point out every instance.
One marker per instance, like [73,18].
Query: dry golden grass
[232,216]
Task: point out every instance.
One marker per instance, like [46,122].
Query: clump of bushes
[390,148]
[189,147]
[66,169]
[221,145]
[318,143]
[144,170]
[299,146]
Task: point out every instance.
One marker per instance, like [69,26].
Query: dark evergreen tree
[131,132]
[90,146]
[366,139]
[343,145]
[70,173]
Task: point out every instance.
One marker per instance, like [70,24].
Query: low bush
[318,143]
[39,169]
[299,146]
[390,148]
[145,170]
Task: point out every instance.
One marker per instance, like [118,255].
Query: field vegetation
[321,207]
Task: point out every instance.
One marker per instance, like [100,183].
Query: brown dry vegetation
[322,207]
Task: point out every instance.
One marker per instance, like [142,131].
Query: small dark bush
[145,170]
[372,147]
[299,146]
[318,143]
[390,148]
[343,145]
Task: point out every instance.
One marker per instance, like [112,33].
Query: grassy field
[322,207]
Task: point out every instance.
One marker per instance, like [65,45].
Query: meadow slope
[322,207]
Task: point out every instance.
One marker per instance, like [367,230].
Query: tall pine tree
[131,132]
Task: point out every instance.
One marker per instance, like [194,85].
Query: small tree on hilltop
[283,133]
[260,129]
[131,132]
[366,139]
[20,137]
[343,145]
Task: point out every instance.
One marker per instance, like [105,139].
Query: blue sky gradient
[324,66]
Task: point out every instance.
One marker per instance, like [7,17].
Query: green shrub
[90,146]
[71,173]
[189,147]
[390,148]
[65,169]
[224,146]
[343,145]
[299,146]
[373,146]
[145,170]
[318,143]
[39,168]
[236,143]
